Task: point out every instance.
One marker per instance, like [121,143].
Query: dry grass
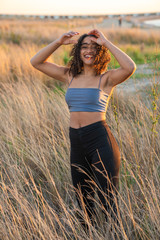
[37,199]
[41,32]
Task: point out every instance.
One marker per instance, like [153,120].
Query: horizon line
[98,14]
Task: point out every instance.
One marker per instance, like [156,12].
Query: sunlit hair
[101,61]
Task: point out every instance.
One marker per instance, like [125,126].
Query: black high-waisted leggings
[95,164]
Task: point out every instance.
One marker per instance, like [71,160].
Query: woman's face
[88,51]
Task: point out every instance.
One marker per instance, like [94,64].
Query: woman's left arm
[127,65]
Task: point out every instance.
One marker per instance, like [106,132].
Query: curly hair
[101,61]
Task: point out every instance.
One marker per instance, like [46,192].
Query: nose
[90,49]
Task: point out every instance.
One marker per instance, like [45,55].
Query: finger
[72,34]
[69,35]
[72,31]
[93,31]
[73,41]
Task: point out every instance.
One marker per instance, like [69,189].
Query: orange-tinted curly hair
[101,61]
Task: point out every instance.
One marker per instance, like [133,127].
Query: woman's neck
[88,71]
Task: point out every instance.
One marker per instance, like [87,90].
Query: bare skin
[88,78]
[80,119]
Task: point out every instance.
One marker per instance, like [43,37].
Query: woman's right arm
[39,62]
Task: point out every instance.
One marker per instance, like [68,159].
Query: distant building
[146,14]
[56,17]
[9,16]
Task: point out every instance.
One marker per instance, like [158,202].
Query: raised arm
[39,61]
[127,65]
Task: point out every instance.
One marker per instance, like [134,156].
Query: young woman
[94,154]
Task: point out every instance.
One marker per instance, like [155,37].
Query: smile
[88,56]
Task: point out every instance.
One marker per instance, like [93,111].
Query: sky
[78,7]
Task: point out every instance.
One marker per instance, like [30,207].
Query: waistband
[90,126]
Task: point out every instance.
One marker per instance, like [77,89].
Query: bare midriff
[81,119]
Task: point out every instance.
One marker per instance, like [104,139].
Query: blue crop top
[86,99]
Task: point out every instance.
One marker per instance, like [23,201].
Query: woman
[94,155]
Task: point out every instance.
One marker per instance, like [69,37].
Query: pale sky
[78,7]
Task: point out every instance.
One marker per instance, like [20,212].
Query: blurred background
[36,194]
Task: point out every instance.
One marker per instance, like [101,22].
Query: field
[37,199]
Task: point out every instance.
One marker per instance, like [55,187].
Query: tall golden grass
[37,198]
[41,32]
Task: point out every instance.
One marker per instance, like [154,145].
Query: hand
[101,39]
[66,38]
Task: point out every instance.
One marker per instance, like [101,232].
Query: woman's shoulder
[105,74]
[105,78]
[69,77]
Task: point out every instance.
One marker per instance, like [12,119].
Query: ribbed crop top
[86,99]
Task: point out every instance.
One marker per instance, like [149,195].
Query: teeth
[88,56]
